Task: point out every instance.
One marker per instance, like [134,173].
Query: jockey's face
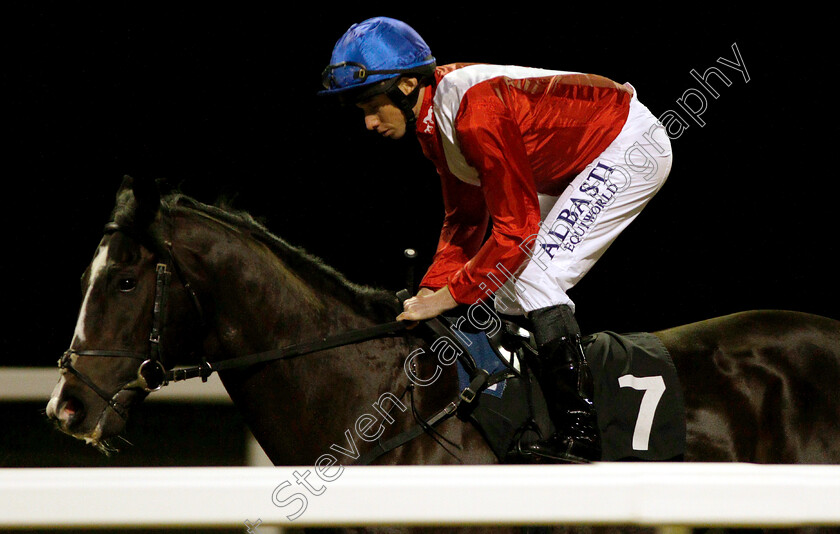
[383,117]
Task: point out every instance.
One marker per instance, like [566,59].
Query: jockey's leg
[566,382]
[577,228]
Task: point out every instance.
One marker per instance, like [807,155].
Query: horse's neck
[262,303]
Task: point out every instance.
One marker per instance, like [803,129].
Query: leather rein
[153,375]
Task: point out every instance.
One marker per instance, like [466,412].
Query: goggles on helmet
[349,73]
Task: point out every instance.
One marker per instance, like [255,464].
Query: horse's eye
[126,284]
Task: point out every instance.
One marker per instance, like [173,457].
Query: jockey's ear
[407,84]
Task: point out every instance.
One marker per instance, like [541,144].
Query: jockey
[559,162]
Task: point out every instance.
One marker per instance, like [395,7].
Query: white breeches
[579,226]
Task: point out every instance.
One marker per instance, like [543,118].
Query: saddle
[641,413]
[638,398]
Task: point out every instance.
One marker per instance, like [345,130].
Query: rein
[152,375]
[205,369]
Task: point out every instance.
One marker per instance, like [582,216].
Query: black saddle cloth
[638,397]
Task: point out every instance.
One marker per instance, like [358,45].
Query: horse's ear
[125,189]
[142,198]
[147,196]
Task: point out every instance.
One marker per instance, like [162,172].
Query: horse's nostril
[71,411]
[72,406]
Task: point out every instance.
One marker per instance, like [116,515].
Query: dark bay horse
[203,282]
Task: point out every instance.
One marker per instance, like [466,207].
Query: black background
[222,102]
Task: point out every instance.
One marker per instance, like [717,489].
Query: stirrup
[534,457]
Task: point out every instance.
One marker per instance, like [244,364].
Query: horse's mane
[362,298]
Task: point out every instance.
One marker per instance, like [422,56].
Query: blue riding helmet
[372,55]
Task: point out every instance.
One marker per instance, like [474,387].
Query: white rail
[655,495]
[36,384]
[658,495]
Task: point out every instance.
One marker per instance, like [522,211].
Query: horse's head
[116,355]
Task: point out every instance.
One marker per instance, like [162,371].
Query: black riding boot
[566,382]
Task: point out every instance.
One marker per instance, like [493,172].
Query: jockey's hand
[427,304]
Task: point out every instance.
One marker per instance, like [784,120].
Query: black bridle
[152,375]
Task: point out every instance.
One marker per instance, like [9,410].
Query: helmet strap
[405,103]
